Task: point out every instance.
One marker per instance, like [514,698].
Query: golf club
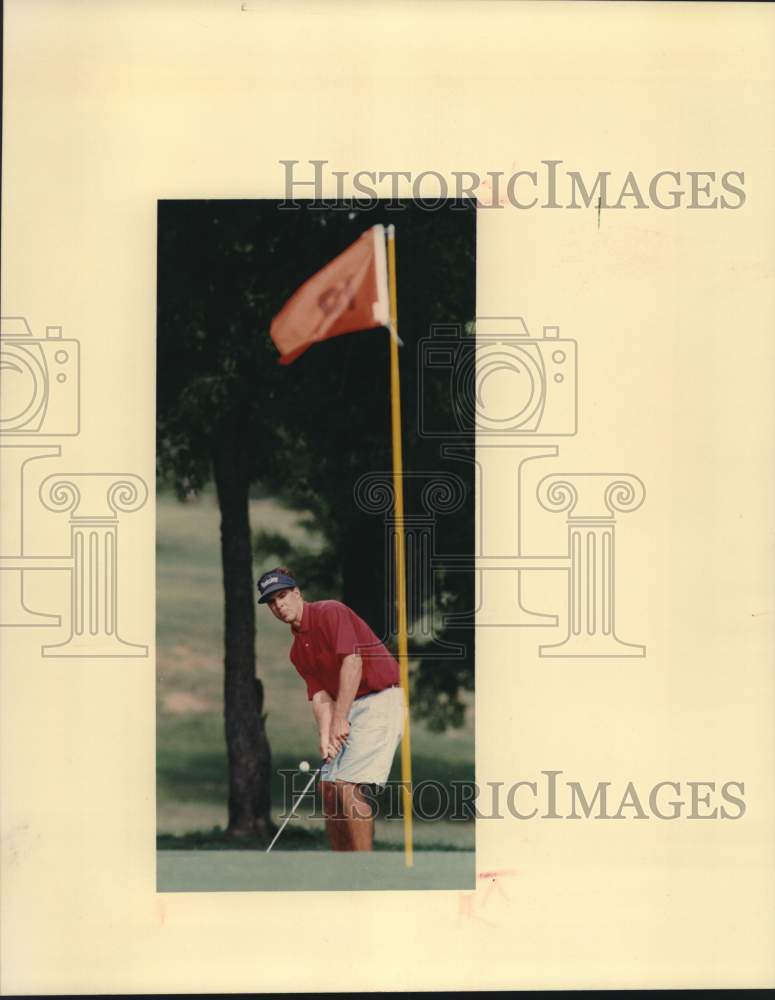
[315,773]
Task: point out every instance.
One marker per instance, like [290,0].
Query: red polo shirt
[329,631]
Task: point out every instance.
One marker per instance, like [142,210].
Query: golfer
[353,684]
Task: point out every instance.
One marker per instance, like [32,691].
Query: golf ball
[304,766]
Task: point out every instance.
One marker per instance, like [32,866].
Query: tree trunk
[247,745]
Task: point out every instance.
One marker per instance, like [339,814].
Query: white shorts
[376,724]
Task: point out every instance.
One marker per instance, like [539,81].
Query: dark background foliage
[306,432]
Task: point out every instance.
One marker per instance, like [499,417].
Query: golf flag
[358,291]
[349,294]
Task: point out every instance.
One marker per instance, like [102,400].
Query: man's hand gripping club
[332,716]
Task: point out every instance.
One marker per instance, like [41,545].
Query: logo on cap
[274,581]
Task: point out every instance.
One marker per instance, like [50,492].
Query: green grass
[307,871]
[191,758]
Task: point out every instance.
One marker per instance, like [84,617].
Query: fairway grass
[192,776]
[311,871]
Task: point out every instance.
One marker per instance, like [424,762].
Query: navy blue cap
[273,581]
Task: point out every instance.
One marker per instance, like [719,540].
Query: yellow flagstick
[398,489]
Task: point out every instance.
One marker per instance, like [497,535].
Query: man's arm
[349,681]
[322,707]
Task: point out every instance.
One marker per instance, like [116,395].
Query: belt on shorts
[367,693]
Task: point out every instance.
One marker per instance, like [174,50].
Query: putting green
[311,871]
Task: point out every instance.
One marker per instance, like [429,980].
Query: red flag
[348,294]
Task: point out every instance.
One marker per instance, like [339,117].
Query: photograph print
[315,538]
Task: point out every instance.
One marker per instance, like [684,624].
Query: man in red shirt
[353,684]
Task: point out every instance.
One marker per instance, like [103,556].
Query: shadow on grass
[291,840]
[218,840]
